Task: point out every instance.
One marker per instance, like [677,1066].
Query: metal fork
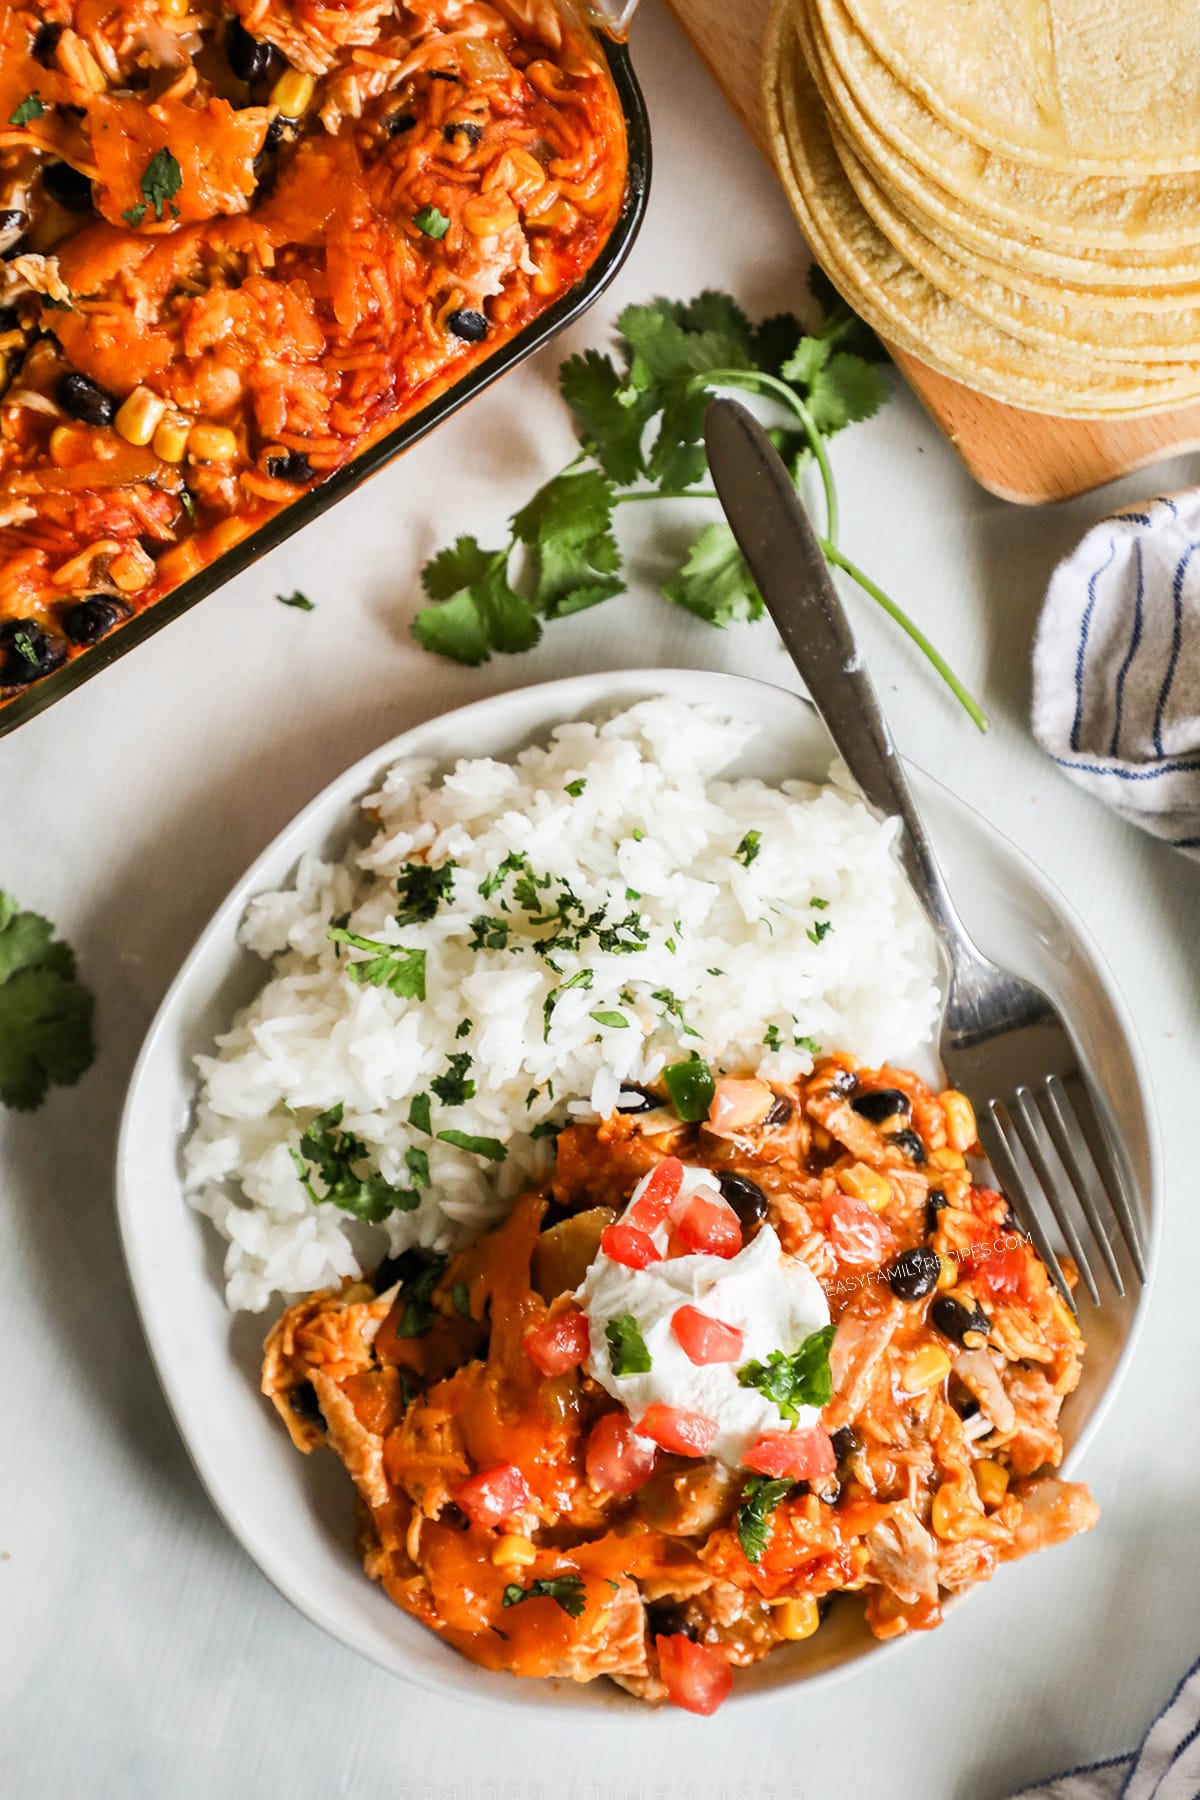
[1042,1124]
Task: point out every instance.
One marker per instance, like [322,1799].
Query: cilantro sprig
[802,1379]
[45,1013]
[394,966]
[639,419]
[334,1157]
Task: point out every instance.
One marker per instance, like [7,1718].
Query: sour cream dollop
[772,1299]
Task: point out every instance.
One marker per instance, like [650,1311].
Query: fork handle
[776,537]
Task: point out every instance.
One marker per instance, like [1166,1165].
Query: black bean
[745,1196]
[294,467]
[955,1321]
[910,1143]
[935,1204]
[914,1273]
[84,399]
[277,130]
[245,55]
[405,1267]
[45,42]
[68,187]
[27,652]
[667,1618]
[961,1398]
[635,1099]
[89,620]
[846,1443]
[472,327]
[781,1111]
[471,132]
[881,1104]
[304,1403]
[397,123]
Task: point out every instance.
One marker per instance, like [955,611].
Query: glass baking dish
[609,20]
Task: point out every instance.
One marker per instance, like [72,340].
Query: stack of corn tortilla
[1007,189]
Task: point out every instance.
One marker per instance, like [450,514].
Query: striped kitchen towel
[1116,667]
[1165,1765]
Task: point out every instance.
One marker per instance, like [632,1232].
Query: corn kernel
[171,437]
[925,1370]
[821,1139]
[797,1619]
[947,1515]
[127,573]
[138,417]
[948,1159]
[961,1130]
[1065,1316]
[947,1274]
[175,9]
[292,93]
[991,1478]
[866,1184]
[513,1552]
[211,443]
[359,1293]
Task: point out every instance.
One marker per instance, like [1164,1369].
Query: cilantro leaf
[432,222]
[31,107]
[45,1014]
[489,933]
[808,1043]
[453,1088]
[615,1021]
[821,929]
[300,601]
[489,1147]
[567,1590]
[478,611]
[714,581]
[420,1114]
[612,422]
[161,181]
[394,966]
[760,1497]
[627,1350]
[771,1037]
[846,390]
[801,1379]
[421,890]
[417,1294]
[330,1153]
[691,1087]
[748,849]
[417,1163]
[567,529]
[576,787]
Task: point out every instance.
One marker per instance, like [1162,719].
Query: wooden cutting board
[1023,456]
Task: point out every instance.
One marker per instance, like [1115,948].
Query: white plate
[293,1514]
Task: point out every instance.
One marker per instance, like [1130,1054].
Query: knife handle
[816,633]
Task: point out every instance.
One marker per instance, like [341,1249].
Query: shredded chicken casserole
[242,241]
[507,1501]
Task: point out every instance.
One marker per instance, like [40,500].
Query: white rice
[728,935]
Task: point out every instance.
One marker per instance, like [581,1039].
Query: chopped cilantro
[453,1088]
[816,932]
[547,1128]
[300,601]
[771,1037]
[615,1021]
[161,181]
[417,1294]
[674,1007]
[691,1087]
[25,647]
[393,966]
[45,1013]
[420,1114]
[433,223]
[801,1379]
[330,1153]
[530,1097]
[460,1299]
[582,978]
[576,787]
[638,834]
[810,1044]
[421,889]
[748,849]
[760,1497]
[489,1147]
[566,1590]
[465,1028]
[627,1350]
[819,904]
[417,1163]
[31,107]
[488,933]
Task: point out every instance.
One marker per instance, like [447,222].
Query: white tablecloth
[140,1652]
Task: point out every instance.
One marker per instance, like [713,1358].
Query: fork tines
[1047,1143]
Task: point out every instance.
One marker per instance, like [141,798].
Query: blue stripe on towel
[1171,768]
[1084,628]
[1176,644]
[1134,642]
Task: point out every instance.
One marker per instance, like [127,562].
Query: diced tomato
[618,1461]
[705,1228]
[697,1676]
[559,1344]
[632,1248]
[800,1455]
[686,1433]
[493,1495]
[1001,1272]
[654,1202]
[856,1235]
[704,1339]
